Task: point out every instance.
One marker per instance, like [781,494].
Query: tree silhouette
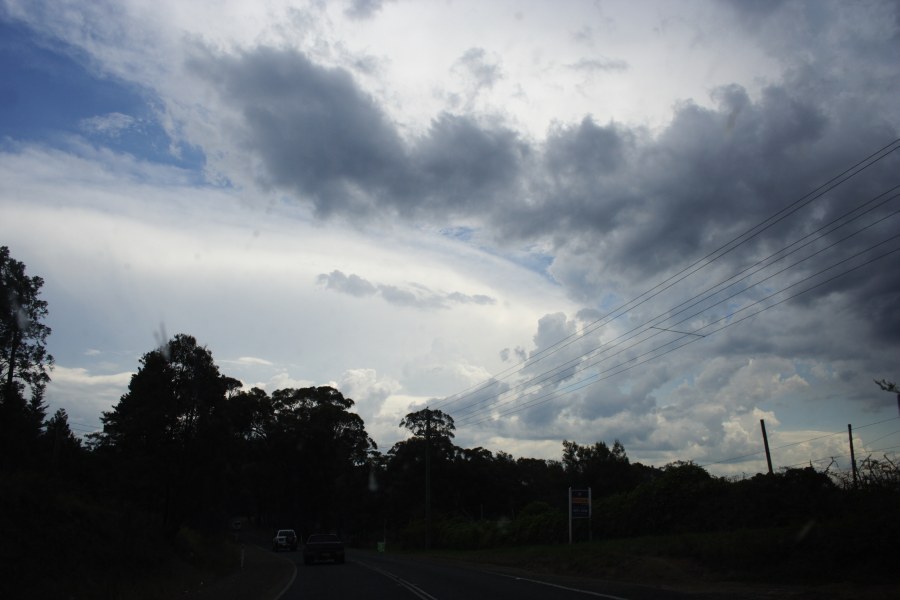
[61,448]
[305,457]
[890,386]
[440,423]
[319,445]
[605,470]
[170,433]
[24,361]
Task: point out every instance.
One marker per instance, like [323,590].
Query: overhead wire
[594,379]
[84,428]
[701,263]
[836,456]
[659,320]
[870,442]
[783,446]
[696,332]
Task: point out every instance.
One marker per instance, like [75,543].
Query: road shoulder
[265,576]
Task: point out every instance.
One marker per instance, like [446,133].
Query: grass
[810,555]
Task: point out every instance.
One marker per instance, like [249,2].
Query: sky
[654,222]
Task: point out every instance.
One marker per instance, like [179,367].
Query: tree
[434,429]
[24,361]
[61,447]
[541,481]
[439,423]
[308,459]
[890,386]
[171,432]
[605,470]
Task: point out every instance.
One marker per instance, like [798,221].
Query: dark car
[285,538]
[323,546]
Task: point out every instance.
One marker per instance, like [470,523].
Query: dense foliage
[186,451]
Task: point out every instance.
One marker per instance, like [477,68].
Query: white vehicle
[285,538]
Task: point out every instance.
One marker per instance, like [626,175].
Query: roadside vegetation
[145,508]
[797,526]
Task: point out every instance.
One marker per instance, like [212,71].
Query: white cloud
[78,376]
[519,448]
[364,386]
[110,125]
[252,360]
[83,394]
[283,381]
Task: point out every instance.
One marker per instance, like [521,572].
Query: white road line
[419,592]
[289,583]
[562,587]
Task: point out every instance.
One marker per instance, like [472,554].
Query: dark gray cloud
[754,13]
[482,72]
[413,295]
[599,65]
[710,175]
[463,167]
[363,9]
[317,134]
[518,353]
[467,299]
[313,129]
[354,285]
[619,208]
[404,297]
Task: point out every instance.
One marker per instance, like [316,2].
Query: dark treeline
[186,451]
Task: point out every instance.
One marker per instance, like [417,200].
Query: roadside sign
[579,508]
[581,504]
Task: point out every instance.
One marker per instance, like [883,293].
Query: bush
[206,552]
[538,523]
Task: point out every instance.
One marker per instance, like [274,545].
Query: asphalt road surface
[374,576]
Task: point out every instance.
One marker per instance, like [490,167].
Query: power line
[81,427]
[659,318]
[740,310]
[547,375]
[880,438]
[684,273]
[609,372]
[815,460]
[812,439]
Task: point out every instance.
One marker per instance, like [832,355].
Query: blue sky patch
[47,94]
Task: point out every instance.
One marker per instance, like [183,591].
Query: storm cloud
[619,208]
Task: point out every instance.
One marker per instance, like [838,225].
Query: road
[376,576]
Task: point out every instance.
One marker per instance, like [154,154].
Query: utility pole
[427,478]
[762,424]
[852,457]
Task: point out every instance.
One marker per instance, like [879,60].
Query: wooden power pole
[852,456]
[427,478]
[762,424]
